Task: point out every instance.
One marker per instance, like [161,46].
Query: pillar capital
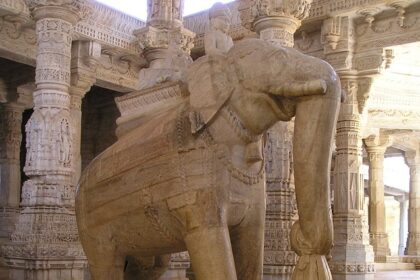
[412,159]
[85,57]
[275,21]
[377,145]
[69,10]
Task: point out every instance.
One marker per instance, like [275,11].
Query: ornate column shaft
[413,240]
[352,257]
[10,152]
[376,147]
[46,236]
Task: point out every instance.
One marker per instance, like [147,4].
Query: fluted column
[46,237]
[413,240]
[352,256]
[376,147]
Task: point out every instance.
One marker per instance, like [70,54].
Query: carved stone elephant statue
[192,177]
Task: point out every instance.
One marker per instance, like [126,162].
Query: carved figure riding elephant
[192,177]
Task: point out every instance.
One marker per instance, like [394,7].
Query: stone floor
[398,275]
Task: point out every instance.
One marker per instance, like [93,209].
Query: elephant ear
[210,87]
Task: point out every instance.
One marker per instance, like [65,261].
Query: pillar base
[283,272]
[380,244]
[8,218]
[412,259]
[352,256]
[413,248]
[45,245]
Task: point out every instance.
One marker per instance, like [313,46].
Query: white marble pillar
[376,147]
[403,224]
[352,256]
[46,237]
[413,240]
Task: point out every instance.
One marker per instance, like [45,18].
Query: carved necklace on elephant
[253,149]
[205,134]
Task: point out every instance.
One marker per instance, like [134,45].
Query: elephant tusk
[298,89]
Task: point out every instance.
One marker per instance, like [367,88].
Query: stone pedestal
[413,240]
[352,256]
[45,243]
[376,147]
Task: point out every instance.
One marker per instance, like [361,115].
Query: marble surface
[397,275]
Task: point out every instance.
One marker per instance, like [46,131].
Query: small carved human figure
[65,143]
[217,40]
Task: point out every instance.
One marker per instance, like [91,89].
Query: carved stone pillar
[413,240]
[376,147]
[46,237]
[10,183]
[352,256]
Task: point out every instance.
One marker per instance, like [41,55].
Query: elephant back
[122,174]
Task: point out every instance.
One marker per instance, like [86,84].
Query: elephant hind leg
[105,263]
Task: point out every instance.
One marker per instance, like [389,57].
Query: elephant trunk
[312,236]
[298,89]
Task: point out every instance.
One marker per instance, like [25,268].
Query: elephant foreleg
[248,245]
[312,235]
[211,253]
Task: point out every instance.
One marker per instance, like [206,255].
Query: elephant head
[264,84]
